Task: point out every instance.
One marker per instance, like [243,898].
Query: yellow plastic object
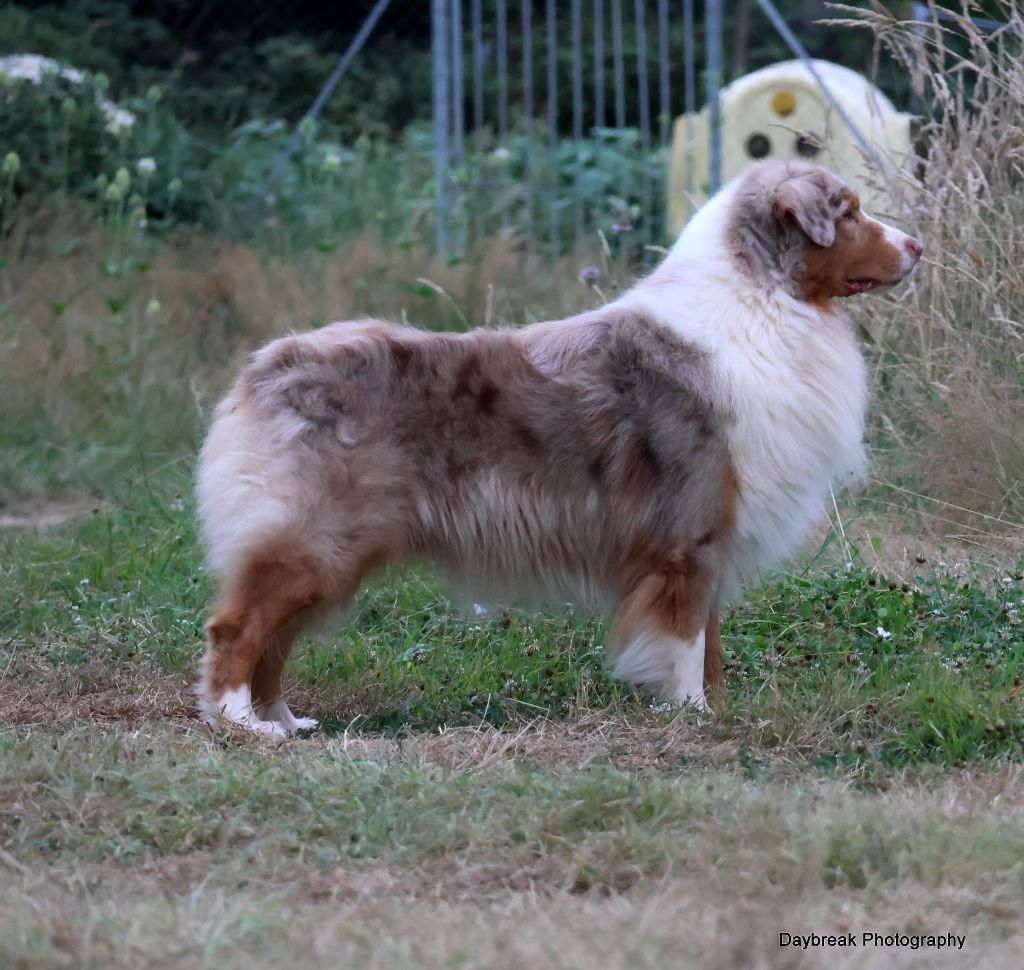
[780,112]
[783,103]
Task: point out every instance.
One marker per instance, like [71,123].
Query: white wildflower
[33,68]
[145,167]
[119,121]
[882,633]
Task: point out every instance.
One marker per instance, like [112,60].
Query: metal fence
[553,117]
[547,115]
[550,118]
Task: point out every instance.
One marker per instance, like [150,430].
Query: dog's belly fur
[561,460]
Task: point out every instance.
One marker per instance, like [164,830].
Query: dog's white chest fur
[798,397]
[790,378]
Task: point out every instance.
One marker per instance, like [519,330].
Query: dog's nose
[914,247]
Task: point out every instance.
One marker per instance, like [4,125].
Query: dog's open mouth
[865,285]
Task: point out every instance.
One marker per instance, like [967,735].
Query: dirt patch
[36,692]
[42,514]
[591,738]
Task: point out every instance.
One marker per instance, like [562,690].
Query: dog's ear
[804,200]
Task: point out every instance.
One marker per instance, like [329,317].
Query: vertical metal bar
[599,63]
[502,45]
[577,113]
[441,79]
[664,80]
[619,68]
[553,119]
[690,90]
[618,63]
[645,115]
[477,27]
[713,36]
[529,169]
[458,83]
[340,70]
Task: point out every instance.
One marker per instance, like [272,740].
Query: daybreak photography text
[907,941]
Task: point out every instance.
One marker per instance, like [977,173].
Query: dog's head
[801,224]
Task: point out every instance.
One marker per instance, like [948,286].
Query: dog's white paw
[278,713]
[305,723]
[269,728]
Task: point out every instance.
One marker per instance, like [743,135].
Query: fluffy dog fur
[646,457]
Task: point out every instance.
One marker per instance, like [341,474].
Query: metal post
[477,30]
[528,167]
[477,27]
[502,43]
[639,8]
[577,113]
[439,40]
[553,119]
[690,90]
[599,63]
[713,36]
[619,67]
[458,83]
[618,63]
[354,47]
[502,33]
[664,81]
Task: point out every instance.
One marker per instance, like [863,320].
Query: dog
[647,457]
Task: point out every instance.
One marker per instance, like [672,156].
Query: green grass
[842,666]
[482,794]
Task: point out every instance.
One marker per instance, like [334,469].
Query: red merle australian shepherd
[645,457]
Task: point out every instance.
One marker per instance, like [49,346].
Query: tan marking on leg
[714,660]
[271,591]
[657,636]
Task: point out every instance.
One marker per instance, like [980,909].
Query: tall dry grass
[107,335]
[950,354]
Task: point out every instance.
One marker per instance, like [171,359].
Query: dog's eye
[850,216]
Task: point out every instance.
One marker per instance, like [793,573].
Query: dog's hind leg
[267,695]
[269,595]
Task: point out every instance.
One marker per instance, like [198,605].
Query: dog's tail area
[242,488]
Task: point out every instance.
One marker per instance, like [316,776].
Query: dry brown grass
[950,354]
[749,857]
[69,315]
